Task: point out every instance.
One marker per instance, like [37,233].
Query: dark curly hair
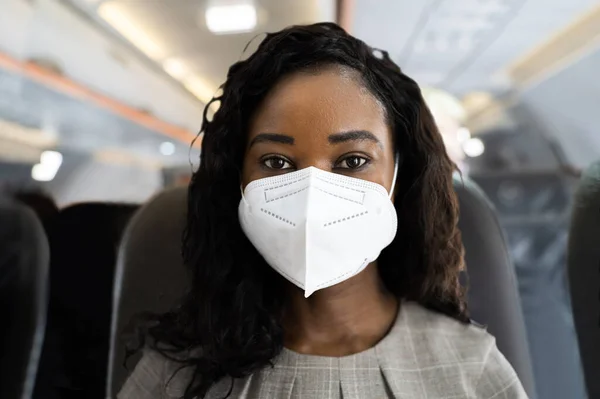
[232,314]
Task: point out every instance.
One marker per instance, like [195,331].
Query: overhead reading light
[473,147]
[167,148]
[46,170]
[233,17]
[463,134]
[176,68]
[125,24]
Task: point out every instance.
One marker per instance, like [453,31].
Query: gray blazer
[426,355]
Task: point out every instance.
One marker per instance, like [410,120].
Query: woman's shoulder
[446,348]
[447,338]
[418,319]
[156,376]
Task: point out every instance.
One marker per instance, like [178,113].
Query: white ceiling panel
[179,27]
[462,45]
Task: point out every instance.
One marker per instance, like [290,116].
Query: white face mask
[318,228]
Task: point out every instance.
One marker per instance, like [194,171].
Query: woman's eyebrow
[353,135]
[273,138]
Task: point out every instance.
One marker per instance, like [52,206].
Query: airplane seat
[584,274]
[150,276]
[493,294]
[24,260]
[84,252]
[533,207]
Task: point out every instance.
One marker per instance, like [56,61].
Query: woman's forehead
[333,100]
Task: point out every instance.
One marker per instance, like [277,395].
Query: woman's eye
[353,162]
[277,163]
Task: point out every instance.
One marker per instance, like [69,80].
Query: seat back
[24,259]
[533,208]
[84,252]
[151,276]
[493,294]
[584,274]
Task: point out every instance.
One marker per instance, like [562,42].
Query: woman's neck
[347,318]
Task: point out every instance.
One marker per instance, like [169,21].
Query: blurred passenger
[335,274]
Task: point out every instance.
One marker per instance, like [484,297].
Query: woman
[322,156]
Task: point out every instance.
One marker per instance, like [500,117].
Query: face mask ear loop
[242,190]
[243,198]
[395,175]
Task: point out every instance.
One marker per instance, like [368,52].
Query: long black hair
[231,315]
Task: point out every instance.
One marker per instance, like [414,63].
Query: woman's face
[326,120]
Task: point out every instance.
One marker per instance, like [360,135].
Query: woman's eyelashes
[274,162]
[352,162]
[347,163]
